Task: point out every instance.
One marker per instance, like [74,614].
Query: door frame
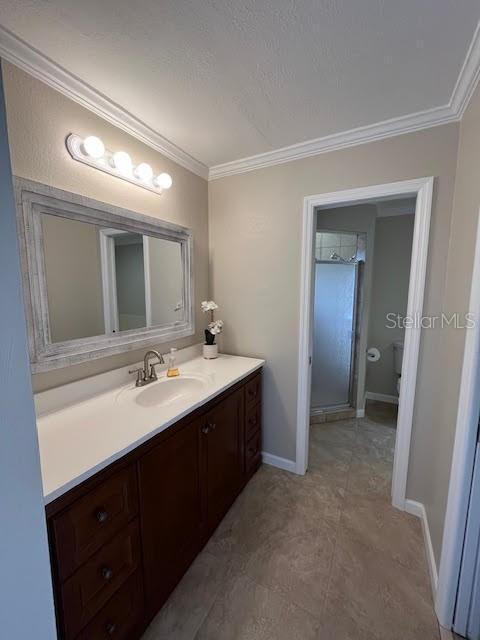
[463,458]
[422,189]
[109,289]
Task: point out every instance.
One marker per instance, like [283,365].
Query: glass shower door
[333,333]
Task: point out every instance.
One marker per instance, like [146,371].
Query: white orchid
[209,305]
[214,326]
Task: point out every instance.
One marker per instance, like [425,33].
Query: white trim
[462,460]
[276,461]
[418,509]
[109,291]
[381,397]
[148,280]
[468,77]
[360,413]
[23,55]
[451,112]
[422,188]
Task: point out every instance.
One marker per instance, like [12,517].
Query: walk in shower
[339,257]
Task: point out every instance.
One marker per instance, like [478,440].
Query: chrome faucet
[148,373]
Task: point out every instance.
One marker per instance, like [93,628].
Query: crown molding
[343,140]
[451,112]
[468,77]
[21,54]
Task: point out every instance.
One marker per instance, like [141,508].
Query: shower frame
[353,350]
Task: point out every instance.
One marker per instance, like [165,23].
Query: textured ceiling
[225,79]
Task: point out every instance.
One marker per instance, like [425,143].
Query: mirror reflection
[102,280]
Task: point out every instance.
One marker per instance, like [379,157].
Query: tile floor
[319,557]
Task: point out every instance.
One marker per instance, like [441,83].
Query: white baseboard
[276,461]
[381,397]
[360,413]
[418,509]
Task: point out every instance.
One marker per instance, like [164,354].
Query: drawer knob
[101,516]
[107,573]
[253,420]
[253,450]
[110,628]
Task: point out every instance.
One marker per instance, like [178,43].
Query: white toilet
[397,361]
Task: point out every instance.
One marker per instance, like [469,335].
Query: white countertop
[80,434]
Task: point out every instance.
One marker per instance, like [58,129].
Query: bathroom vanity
[136,477]
[121,539]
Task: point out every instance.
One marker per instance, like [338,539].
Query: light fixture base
[75,149]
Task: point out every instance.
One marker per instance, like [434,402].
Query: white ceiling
[225,79]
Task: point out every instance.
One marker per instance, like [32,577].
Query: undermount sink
[168,390]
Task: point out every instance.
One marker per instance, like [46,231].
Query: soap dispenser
[172,371]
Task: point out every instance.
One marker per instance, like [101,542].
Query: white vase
[210,351]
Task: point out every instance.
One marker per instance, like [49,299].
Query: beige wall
[391,272]
[255,229]
[359,218]
[434,484]
[39,119]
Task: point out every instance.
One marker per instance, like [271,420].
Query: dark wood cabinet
[222,446]
[121,541]
[172,508]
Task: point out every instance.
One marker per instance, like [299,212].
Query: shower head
[335,256]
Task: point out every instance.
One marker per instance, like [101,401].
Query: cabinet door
[223,432]
[172,511]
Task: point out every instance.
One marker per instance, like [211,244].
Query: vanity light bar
[92,151]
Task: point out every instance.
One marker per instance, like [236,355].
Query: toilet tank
[398,356]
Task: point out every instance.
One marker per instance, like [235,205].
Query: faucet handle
[153,373]
[140,375]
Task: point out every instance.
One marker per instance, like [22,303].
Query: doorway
[421,191]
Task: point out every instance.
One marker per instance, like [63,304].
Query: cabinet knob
[107,573]
[101,515]
[110,628]
[210,426]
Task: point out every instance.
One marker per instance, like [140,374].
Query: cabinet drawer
[253,391]
[87,591]
[120,615]
[92,520]
[253,420]
[253,452]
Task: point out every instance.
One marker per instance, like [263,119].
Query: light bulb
[93,147]
[144,172]
[164,181]
[122,161]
